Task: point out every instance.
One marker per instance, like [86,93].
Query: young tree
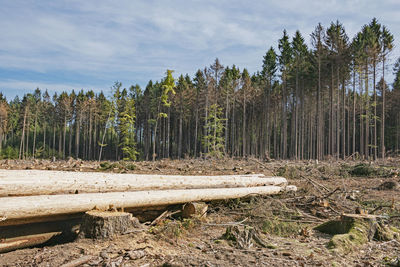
[167,86]
[126,125]
[215,140]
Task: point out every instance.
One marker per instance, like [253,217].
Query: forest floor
[284,222]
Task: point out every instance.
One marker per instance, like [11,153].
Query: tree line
[327,100]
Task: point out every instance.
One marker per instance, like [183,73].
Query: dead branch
[78,262]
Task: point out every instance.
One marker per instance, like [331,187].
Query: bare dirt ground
[284,223]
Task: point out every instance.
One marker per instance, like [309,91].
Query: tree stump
[106,224]
[353,230]
[194,209]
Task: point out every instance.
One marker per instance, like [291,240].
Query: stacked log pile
[35,197]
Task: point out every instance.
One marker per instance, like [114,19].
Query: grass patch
[367,170]
[173,229]
[289,172]
[281,228]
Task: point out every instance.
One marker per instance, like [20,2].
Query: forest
[329,99]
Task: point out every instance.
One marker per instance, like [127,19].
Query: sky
[74,44]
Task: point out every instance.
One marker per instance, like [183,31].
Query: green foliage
[126,115]
[269,64]
[119,166]
[367,170]
[266,117]
[173,228]
[168,86]
[215,141]
[289,172]
[9,153]
[39,152]
[280,228]
[286,51]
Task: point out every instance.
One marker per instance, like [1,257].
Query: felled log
[67,226]
[36,182]
[25,241]
[13,209]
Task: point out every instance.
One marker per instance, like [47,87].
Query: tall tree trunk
[155,131]
[34,137]
[77,135]
[367,118]
[343,120]
[196,125]
[70,142]
[338,113]
[331,143]
[226,122]
[44,136]
[319,115]
[375,148]
[206,129]
[54,141]
[90,133]
[284,121]
[168,131]
[383,110]
[27,137]
[180,137]
[361,117]
[64,135]
[244,123]
[21,147]
[295,136]
[60,152]
[354,112]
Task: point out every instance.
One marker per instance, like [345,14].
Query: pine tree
[285,59]
[387,46]
[126,124]
[268,73]
[317,38]
[167,88]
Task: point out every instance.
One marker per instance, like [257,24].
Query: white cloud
[137,40]
[17,86]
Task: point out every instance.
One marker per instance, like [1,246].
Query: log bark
[14,208]
[35,182]
[25,241]
[68,227]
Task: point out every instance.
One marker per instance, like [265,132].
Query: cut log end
[194,209]
[105,224]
